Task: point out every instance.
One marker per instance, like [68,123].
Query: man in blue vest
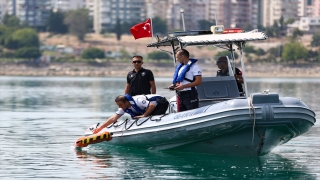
[185,79]
[137,106]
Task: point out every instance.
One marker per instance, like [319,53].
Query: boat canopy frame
[224,41]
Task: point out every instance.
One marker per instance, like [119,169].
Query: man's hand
[95,131]
[141,116]
[171,87]
[179,87]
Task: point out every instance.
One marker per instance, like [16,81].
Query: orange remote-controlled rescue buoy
[93,139]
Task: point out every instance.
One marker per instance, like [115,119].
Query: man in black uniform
[139,80]
[222,64]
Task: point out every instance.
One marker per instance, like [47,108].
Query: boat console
[217,89]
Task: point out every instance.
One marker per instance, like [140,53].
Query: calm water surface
[41,117]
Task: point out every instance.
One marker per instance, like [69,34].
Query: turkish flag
[142,30]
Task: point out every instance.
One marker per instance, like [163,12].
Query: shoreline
[120,69]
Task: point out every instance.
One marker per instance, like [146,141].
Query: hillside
[108,42]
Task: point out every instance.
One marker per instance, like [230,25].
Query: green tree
[313,55]
[11,21]
[274,52]
[247,27]
[159,26]
[126,27]
[92,53]
[27,52]
[158,55]
[227,53]
[124,53]
[249,49]
[296,33]
[260,27]
[205,24]
[260,52]
[4,33]
[316,39]
[269,32]
[118,30]
[26,37]
[56,24]
[78,22]
[276,28]
[294,51]
[282,27]
[290,21]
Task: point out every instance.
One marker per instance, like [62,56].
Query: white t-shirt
[194,70]
[141,101]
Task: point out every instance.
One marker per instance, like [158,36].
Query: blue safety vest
[182,75]
[136,107]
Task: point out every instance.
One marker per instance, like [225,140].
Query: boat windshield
[229,65]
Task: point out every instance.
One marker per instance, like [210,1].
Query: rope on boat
[254,124]
[135,121]
[143,121]
[160,117]
[254,118]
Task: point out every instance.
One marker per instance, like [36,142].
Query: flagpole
[151,29]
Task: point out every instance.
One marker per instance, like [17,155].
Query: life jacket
[136,107]
[182,75]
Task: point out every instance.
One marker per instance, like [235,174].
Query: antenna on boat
[215,17]
[182,17]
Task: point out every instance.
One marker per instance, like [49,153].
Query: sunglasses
[220,62]
[134,62]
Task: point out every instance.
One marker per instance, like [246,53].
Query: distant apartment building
[313,8]
[216,10]
[3,8]
[309,8]
[273,10]
[310,24]
[234,13]
[89,4]
[240,11]
[316,8]
[35,13]
[307,24]
[255,13]
[157,8]
[66,5]
[302,8]
[193,11]
[107,12]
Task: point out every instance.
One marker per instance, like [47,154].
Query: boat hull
[232,127]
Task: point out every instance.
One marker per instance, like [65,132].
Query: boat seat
[217,89]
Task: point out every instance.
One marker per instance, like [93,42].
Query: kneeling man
[137,106]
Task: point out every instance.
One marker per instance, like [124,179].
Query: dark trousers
[162,106]
[188,100]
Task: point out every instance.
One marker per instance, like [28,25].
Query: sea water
[41,117]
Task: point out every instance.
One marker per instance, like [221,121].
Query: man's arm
[109,121]
[238,76]
[126,89]
[153,87]
[151,107]
[196,82]
[151,81]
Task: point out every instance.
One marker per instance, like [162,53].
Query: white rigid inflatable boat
[226,122]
